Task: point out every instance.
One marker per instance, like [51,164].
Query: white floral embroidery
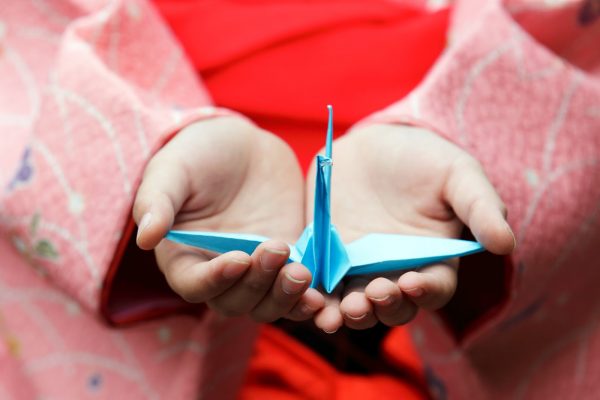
[133,10]
[76,203]
[72,308]
[207,111]
[532,177]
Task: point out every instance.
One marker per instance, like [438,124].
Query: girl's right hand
[226,174]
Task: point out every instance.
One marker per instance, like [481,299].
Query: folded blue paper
[321,249]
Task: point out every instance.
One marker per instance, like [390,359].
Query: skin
[405,180]
[226,174]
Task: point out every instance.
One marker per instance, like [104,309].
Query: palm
[244,183]
[403,180]
[393,182]
[228,175]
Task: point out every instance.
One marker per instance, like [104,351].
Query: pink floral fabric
[88,90]
[519,88]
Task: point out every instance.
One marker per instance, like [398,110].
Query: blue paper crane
[321,249]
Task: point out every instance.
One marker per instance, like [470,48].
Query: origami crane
[321,249]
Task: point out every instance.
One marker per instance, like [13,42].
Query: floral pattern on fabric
[34,248]
[24,173]
[521,94]
[86,88]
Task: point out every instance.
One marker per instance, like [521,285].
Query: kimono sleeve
[88,91]
[518,88]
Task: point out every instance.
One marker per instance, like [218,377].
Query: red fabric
[126,298]
[280,63]
[284,369]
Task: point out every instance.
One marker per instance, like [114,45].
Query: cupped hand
[405,180]
[225,174]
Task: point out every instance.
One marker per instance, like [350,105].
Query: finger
[197,280]
[159,197]
[291,283]
[310,302]
[330,319]
[268,258]
[475,201]
[356,307]
[430,288]
[389,305]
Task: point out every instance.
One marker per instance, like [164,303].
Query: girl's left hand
[405,180]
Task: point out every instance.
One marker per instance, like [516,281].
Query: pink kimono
[90,88]
[524,99]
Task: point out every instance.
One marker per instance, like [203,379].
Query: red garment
[284,369]
[280,63]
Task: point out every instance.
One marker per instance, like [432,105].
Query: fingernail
[291,285]
[235,268]
[356,318]
[414,292]
[330,332]
[272,259]
[512,235]
[383,301]
[144,222]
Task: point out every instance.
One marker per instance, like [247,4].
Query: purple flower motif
[94,382]
[25,171]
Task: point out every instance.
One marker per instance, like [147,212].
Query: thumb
[475,201]
[159,198]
